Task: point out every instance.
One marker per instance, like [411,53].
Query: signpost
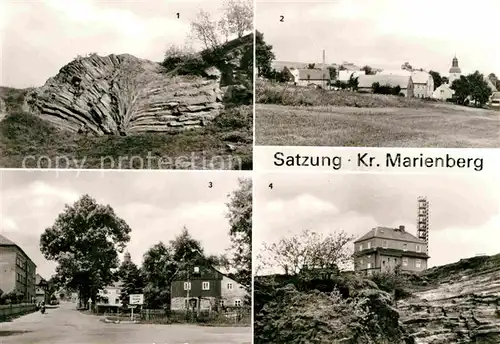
[134,301]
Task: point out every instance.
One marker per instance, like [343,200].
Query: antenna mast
[423,220]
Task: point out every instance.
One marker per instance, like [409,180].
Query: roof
[495,95]
[344,75]
[390,233]
[490,84]
[314,74]
[366,81]
[6,242]
[417,76]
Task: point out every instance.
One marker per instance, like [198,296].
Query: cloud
[384,33]
[40,37]
[464,210]
[155,205]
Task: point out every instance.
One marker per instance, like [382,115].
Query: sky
[464,210]
[155,205]
[385,33]
[39,37]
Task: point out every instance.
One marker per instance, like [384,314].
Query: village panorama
[366,75]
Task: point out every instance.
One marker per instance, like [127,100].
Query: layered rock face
[464,308]
[122,95]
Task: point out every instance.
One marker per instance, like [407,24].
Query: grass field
[302,116]
[436,125]
[29,142]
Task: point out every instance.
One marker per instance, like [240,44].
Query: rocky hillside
[122,94]
[452,304]
[456,303]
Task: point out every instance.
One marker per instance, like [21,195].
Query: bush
[297,317]
[394,283]
[386,89]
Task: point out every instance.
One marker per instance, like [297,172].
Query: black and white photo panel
[376,258]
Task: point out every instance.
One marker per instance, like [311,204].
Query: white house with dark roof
[423,83]
[383,249]
[365,82]
[495,100]
[308,77]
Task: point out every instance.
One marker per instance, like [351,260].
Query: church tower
[455,71]
[126,257]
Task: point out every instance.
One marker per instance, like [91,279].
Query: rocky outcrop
[464,306]
[122,95]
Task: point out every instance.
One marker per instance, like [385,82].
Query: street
[67,325]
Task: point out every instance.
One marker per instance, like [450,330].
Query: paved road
[66,325]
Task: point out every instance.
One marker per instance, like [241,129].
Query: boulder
[122,95]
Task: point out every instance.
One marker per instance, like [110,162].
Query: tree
[438,81]
[473,86]
[157,270]
[307,250]
[493,78]
[353,82]
[240,220]
[204,29]
[445,79]
[263,56]
[132,281]
[407,66]
[333,72]
[368,70]
[84,241]
[311,65]
[238,17]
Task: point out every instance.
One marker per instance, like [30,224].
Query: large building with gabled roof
[383,249]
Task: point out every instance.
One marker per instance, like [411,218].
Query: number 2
[282,18]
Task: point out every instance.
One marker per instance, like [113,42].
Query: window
[361,262]
[369,244]
[418,248]
[205,285]
[187,285]
[237,303]
[196,270]
[104,291]
[117,300]
[221,302]
[230,286]
[369,265]
[360,247]
[384,245]
[418,263]
[405,261]
[405,247]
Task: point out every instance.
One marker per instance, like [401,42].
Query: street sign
[136,299]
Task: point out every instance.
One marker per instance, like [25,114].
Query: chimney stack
[402,228]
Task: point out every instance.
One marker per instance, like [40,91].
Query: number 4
[271,186]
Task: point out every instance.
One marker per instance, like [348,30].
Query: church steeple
[126,257]
[455,70]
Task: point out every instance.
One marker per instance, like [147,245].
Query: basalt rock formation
[462,306]
[122,95]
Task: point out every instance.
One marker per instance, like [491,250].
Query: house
[443,92]
[345,75]
[383,249]
[41,289]
[495,100]
[423,82]
[308,77]
[17,270]
[205,288]
[108,298]
[365,82]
